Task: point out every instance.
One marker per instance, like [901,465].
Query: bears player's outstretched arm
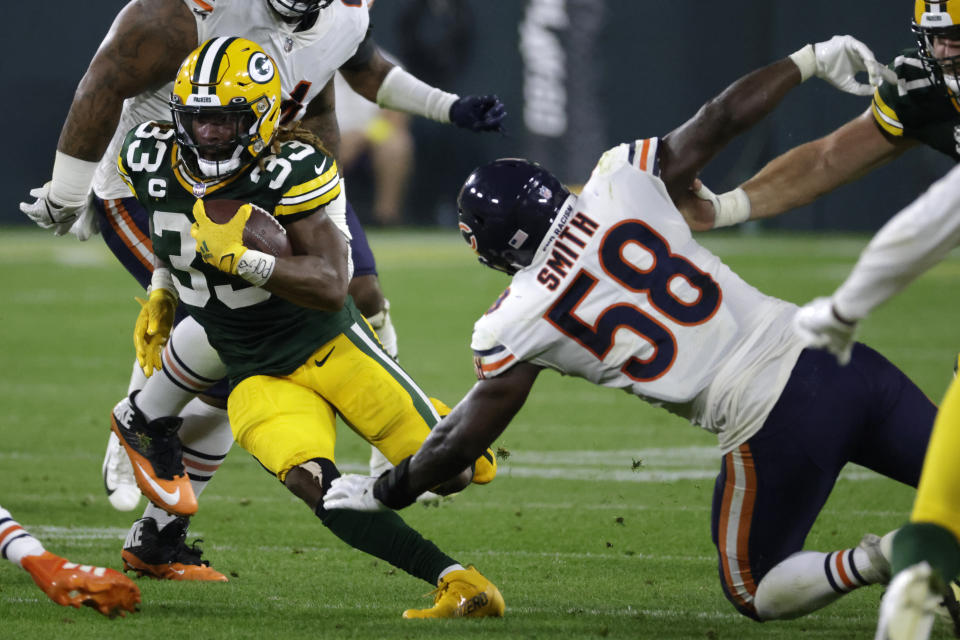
[461,437]
[687,149]
[143,50]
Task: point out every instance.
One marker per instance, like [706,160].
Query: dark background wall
[628,69]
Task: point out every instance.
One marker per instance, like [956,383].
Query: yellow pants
[938,494]
[284,421]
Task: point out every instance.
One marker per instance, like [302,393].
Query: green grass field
[581,544]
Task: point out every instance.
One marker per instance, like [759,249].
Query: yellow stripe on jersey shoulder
[122,170]
[310,195]
[885,116]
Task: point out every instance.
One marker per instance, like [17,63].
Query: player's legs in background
[367,295]
[827,415]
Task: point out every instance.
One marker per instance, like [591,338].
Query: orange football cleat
[156,455]
[165,555]
[71,585]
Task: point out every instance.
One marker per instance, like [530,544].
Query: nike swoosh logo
[170,498]
[319,169]
[319,363]
[107,486]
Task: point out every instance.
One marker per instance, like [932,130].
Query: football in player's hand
[262,231]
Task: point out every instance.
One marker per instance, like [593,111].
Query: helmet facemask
[220,159]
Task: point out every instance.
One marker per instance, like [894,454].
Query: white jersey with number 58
[626,298]
[306,61]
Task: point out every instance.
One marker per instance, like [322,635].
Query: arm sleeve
[914,240]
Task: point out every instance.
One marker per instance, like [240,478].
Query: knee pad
[310,480]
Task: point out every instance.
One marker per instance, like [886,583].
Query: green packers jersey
[916,108]
[253,331]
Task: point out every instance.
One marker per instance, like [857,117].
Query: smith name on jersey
[623,296]
[306,61]
[915,108]
[253,331]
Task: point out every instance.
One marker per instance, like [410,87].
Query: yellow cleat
[463,594]
[485,468]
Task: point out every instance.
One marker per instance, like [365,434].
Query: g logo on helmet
[260,68]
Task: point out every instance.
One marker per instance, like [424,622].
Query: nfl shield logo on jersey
[199,189]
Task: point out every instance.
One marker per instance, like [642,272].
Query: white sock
[453,567]
[809,580]
[16,543]
[137,378]
[190,366]
[206,438]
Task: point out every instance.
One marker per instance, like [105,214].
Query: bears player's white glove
[86,226]
[50,215]
[838,60]
[818,325]
[353,492]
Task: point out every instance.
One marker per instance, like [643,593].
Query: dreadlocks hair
[298,132]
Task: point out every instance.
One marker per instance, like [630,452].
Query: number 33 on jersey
[626,298]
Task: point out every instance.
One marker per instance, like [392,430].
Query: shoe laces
[190,554]
[165,449]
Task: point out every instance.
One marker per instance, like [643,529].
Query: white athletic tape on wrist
[732,207]
[806,61]
[71,180]
[256,267]
[163,279]
[401,91]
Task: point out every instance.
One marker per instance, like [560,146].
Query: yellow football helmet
[938,19]
[226,106]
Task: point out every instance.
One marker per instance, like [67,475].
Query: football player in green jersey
[297,351]
[917,104]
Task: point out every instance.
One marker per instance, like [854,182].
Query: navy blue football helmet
[506,208]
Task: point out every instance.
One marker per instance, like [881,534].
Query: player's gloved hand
[478,113]
[153,328]
[49,214]
[353,492]
[818,325]
[86,225]
[838,60]
[220,245]
[729,208]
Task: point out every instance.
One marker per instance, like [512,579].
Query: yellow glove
[220,245]
[153,328]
